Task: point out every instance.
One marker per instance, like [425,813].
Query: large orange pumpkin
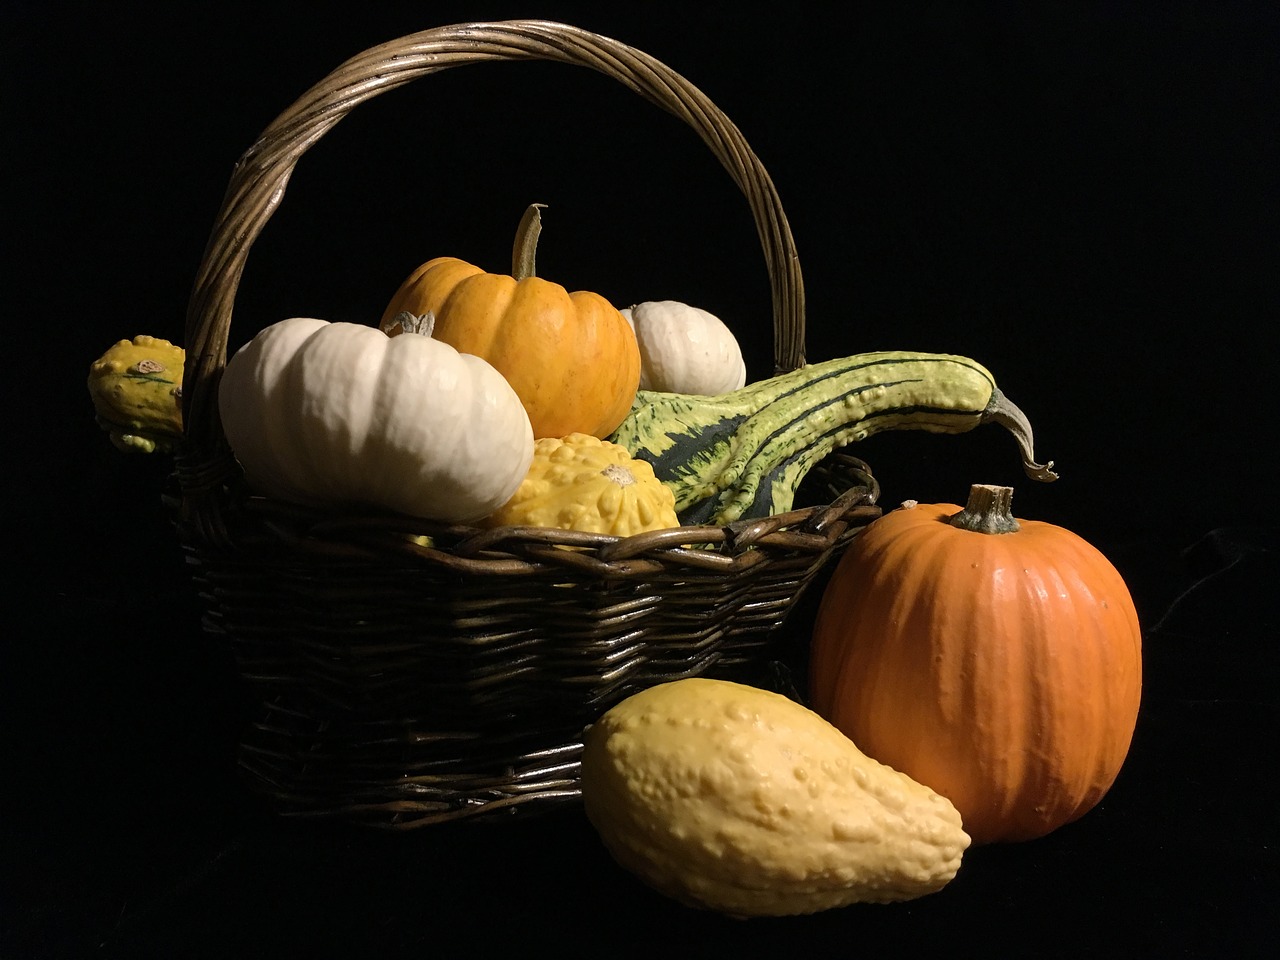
[998,661]
[572,358]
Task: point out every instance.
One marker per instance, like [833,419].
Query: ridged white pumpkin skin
[340,413]
[685,349]
[735,799]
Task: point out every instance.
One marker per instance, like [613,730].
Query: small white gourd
[685,349]
[340,413]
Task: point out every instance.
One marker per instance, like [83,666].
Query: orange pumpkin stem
[988,510]
[524,251]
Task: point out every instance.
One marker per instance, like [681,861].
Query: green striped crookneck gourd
[742,455]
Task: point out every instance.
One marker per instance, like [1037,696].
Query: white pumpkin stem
[524,250]
[988,510]
[409,323]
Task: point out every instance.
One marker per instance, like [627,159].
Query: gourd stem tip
[1000,409]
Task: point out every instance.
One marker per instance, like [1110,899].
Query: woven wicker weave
[402,684]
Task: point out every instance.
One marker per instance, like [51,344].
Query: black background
[1079,195]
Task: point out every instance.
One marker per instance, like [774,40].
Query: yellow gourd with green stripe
[742,454]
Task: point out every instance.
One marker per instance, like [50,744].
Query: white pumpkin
[685,349]
[340,413]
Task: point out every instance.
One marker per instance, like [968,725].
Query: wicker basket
[402,685]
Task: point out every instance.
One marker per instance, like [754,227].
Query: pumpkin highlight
[996,660]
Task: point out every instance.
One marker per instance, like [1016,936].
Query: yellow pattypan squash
[136,388]
[579,482]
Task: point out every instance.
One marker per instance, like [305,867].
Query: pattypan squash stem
[524,251]
[989,510]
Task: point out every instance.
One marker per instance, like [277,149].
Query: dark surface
[1081,197]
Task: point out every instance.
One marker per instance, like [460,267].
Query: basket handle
[259,178]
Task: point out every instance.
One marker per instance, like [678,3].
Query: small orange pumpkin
[572,358]
[998,661]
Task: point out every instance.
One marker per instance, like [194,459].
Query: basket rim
[464,549]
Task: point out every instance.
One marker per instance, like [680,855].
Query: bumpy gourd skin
[743,454]
[580,482]
[734,799]
[136,388]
